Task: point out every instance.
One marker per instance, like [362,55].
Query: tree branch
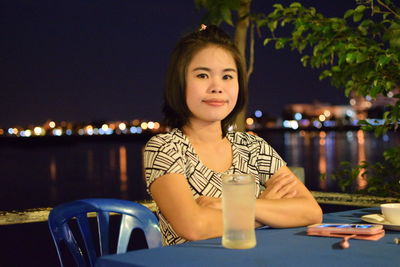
[388,8]
[251,55]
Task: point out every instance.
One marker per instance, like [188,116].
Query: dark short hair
[175,109]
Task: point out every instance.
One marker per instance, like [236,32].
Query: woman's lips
[215,102]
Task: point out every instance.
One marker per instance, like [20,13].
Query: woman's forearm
[288,212]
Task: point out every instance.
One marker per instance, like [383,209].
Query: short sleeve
[268,161]
[161,156]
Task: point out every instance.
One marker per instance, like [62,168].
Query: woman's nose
[216,91]
[215,86]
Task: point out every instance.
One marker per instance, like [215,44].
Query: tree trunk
[240,39]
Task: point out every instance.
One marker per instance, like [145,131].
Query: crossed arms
[285,202]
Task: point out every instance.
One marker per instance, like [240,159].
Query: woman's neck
[203,133]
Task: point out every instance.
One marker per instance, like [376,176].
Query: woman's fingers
[282,186]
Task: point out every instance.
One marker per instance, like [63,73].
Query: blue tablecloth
[275,247]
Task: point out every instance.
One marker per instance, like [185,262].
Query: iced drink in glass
[238,207]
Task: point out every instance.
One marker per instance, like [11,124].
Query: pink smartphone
[340,228]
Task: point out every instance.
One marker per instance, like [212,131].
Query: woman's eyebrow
[209,70]
[202,68]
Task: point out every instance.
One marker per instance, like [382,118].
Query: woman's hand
[280,186]
[210,202]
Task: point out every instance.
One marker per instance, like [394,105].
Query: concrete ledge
[41,214]
[351,199]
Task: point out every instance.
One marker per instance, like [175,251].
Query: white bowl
[391,212]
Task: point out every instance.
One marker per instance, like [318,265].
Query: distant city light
[57,132]
[258,113]
[352,101]
[89,129]
[104,127]
[329,123]
[1,131]
[68,132]
[122,126]
[150,125]
[350,113]
[249,121]
[322,117]
[38,130]
[52,124]
[298,116]
[327,113]
[349,135]
[133,129]
[317,124]
[291,124]
[375,122]
[305,123]
[28,133]
[143,125]
[385,138]
[12,131]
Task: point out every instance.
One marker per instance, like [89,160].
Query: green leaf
[348,13]
[324,74]
[350,57]
[361,57]
[383,60]
[295,4]
[389,86]
[304,60]
[358,13]
[278,6]
[360,8]
[357,17]
[279,44]
[272,25]
[267,40]
[375,89]
[227,15]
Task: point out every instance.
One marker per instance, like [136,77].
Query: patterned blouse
[173,153]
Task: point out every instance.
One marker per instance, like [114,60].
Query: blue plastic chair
[134,216]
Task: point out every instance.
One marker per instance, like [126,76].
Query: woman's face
[212,85]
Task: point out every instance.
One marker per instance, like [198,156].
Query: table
[275,247]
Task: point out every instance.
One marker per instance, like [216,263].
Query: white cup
[238,207]
[391,212]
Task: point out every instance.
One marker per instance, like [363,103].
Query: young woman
[205,90]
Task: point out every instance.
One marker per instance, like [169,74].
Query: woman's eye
[202,76]
[227,77]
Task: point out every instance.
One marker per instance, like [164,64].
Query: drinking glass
[238,208]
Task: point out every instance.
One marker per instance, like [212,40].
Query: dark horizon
[82,61]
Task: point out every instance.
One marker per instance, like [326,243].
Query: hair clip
[203,27]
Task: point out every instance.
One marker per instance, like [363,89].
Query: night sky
[85,60]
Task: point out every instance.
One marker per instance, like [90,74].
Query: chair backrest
[134,215]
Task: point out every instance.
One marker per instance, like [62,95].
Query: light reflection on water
[321,153]
[46,175]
